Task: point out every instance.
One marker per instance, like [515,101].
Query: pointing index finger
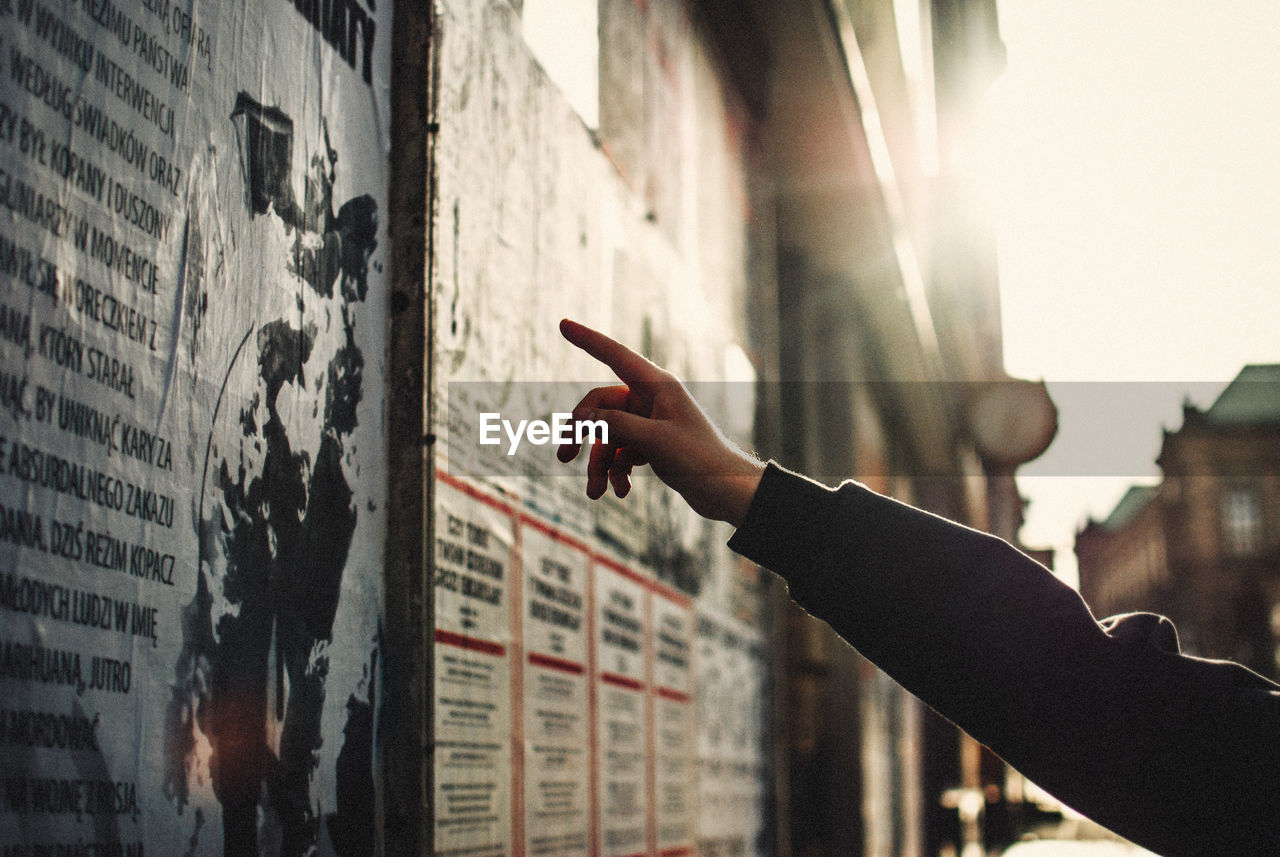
[629,366]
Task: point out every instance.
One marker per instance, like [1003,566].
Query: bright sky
[1135,180]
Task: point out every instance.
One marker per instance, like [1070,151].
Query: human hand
[653,420]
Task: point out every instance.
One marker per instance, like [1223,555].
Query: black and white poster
[192,332]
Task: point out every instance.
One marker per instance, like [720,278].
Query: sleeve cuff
[789,521]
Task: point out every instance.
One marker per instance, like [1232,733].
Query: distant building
[1203,546]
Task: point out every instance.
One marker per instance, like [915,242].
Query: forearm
[1154,744]
[945,610]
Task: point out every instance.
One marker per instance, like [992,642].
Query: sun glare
[1128,157]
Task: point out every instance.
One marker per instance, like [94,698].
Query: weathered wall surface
[192,246]
[598,668]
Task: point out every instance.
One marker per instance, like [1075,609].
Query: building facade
[1203,546]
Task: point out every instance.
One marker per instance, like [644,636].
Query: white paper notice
[673,727]
[556,752]
[472,673]
[729,662]
[620,607]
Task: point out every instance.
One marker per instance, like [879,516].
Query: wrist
[739,489]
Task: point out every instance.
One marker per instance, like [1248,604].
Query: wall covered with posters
[599,670]
[194,271]
[193,338]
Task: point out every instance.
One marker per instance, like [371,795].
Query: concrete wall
[629,719]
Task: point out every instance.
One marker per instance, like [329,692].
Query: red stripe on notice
[621,681]
[674,696]
[555,663]
[471,644]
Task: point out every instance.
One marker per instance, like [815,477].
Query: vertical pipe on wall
[404,722]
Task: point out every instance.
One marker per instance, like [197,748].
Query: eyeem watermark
[562,429]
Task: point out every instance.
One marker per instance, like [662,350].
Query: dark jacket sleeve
[1179,754]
